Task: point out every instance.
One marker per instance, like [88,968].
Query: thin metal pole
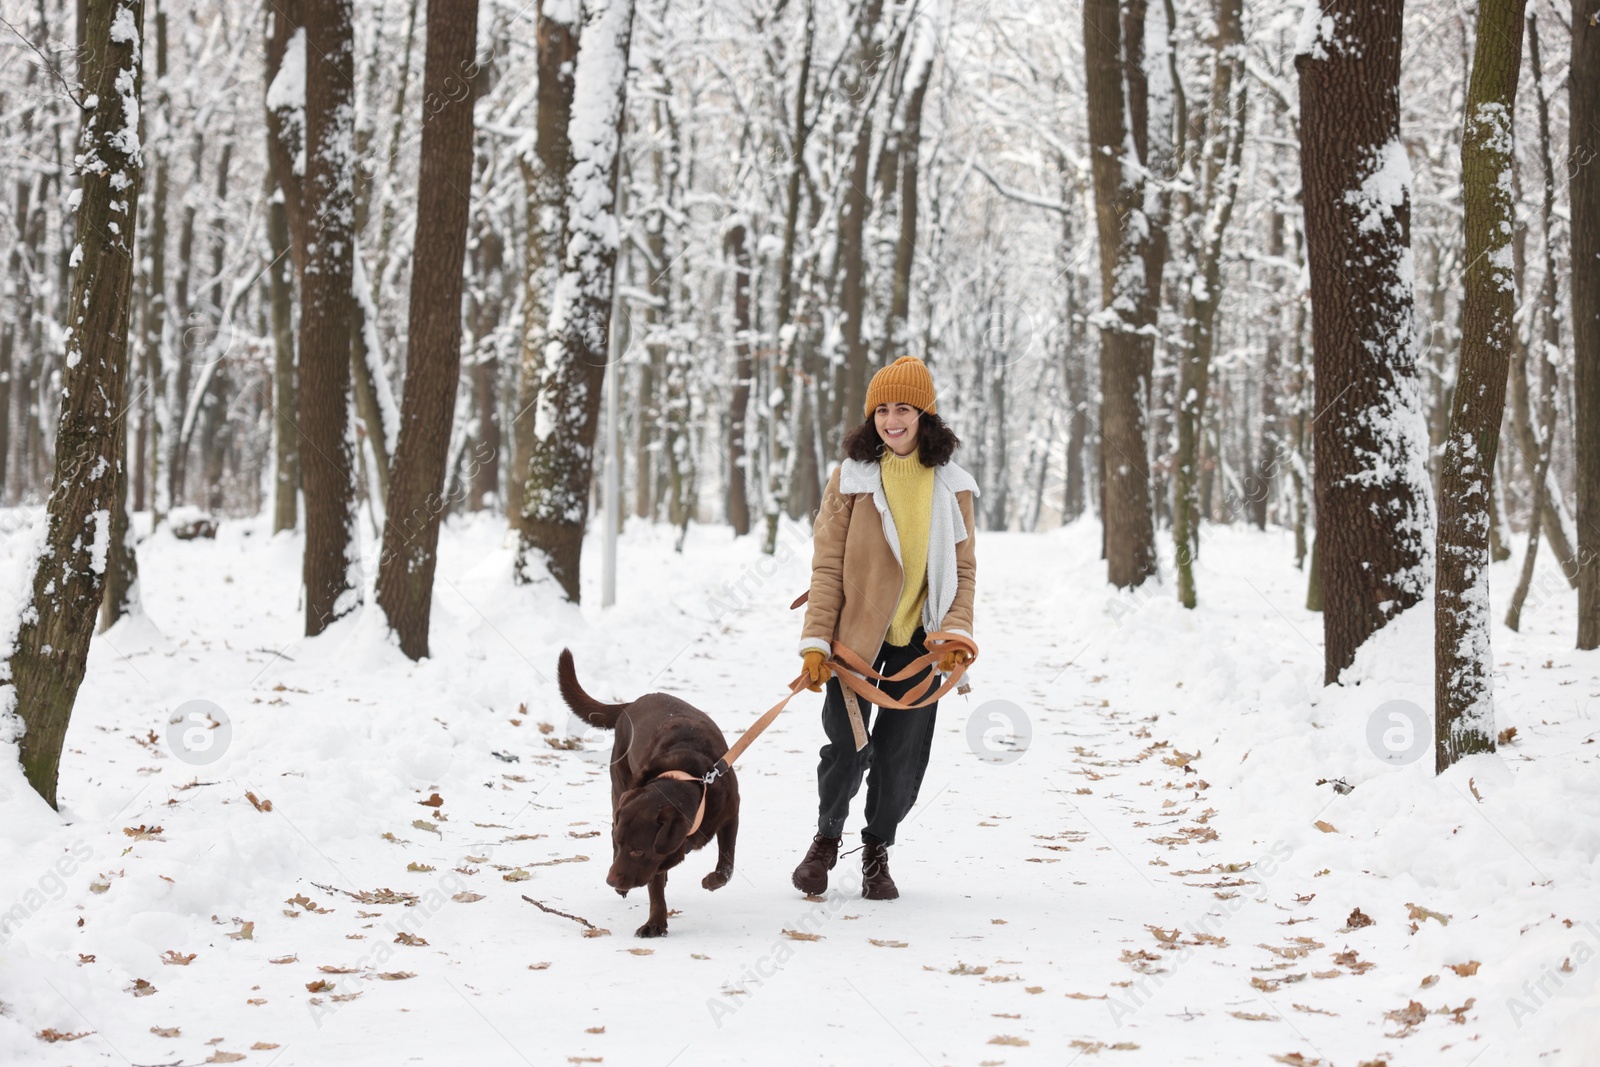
[613,506]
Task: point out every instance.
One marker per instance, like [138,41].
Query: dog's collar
[705,781]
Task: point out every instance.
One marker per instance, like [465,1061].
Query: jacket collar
[856,476]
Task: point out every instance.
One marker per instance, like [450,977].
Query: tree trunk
[556,507]
[542,172]
[386,191]
[1374,512]
[213,406]
[855,204]
[1583,169]
[186,350]
[489,268]
[909,138]
[1270,457]
[285,437]
[1548,351]
[1463,667]
[1220,185]
[785,382]
[365,371]
[1126,303]
[1297,430]
[415,502]
[327,451]
[739,402]
[52,647]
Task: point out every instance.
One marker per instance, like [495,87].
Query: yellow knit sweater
[908,485]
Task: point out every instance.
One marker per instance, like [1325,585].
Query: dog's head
[648,831]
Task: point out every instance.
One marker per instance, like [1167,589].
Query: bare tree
[738,505]
[52,648]
[285,436]
[561,467]
[1219,187]
[1539,450]
[327,447]
[1463,664]
[1373,510]
[543,167]
[433,368]
[1126,303]
[1583,166]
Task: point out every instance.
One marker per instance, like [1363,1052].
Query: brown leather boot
[811,877]
[876,884]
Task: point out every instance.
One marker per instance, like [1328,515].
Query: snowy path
[1144,883]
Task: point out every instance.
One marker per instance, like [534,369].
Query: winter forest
[355,359]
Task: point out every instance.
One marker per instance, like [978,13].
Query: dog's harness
[852,674]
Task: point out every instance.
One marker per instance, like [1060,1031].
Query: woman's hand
[817,669]
[952,659]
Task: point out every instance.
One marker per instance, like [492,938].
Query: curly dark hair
[936,441]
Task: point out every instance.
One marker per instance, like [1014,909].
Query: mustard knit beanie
[905,381]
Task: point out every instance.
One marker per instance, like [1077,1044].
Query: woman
[892,561]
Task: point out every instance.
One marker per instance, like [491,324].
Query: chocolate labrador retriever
[655,820]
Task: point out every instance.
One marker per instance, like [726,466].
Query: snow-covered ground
[1122,848]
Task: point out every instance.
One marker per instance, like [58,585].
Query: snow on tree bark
[1127,305]
[543,165]
[332,568]
[565,413]
[1373,503]
[52,645]
[1463,668]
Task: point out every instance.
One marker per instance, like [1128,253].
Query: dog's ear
[666,817]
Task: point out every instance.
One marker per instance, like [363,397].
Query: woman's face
[897,425]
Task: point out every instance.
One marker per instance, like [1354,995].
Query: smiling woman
[882,578]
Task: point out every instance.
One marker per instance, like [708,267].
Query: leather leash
[852,674]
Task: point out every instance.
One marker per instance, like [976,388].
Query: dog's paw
[652,929]
[714,880]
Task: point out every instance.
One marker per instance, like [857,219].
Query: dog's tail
[582,704]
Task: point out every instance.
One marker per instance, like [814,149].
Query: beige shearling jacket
[856,575]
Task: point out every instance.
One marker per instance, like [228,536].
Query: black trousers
[895,756]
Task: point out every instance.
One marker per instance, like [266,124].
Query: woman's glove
[952,659]
[817,669]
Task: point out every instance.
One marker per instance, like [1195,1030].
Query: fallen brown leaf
[1419,913]
[48,1034]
